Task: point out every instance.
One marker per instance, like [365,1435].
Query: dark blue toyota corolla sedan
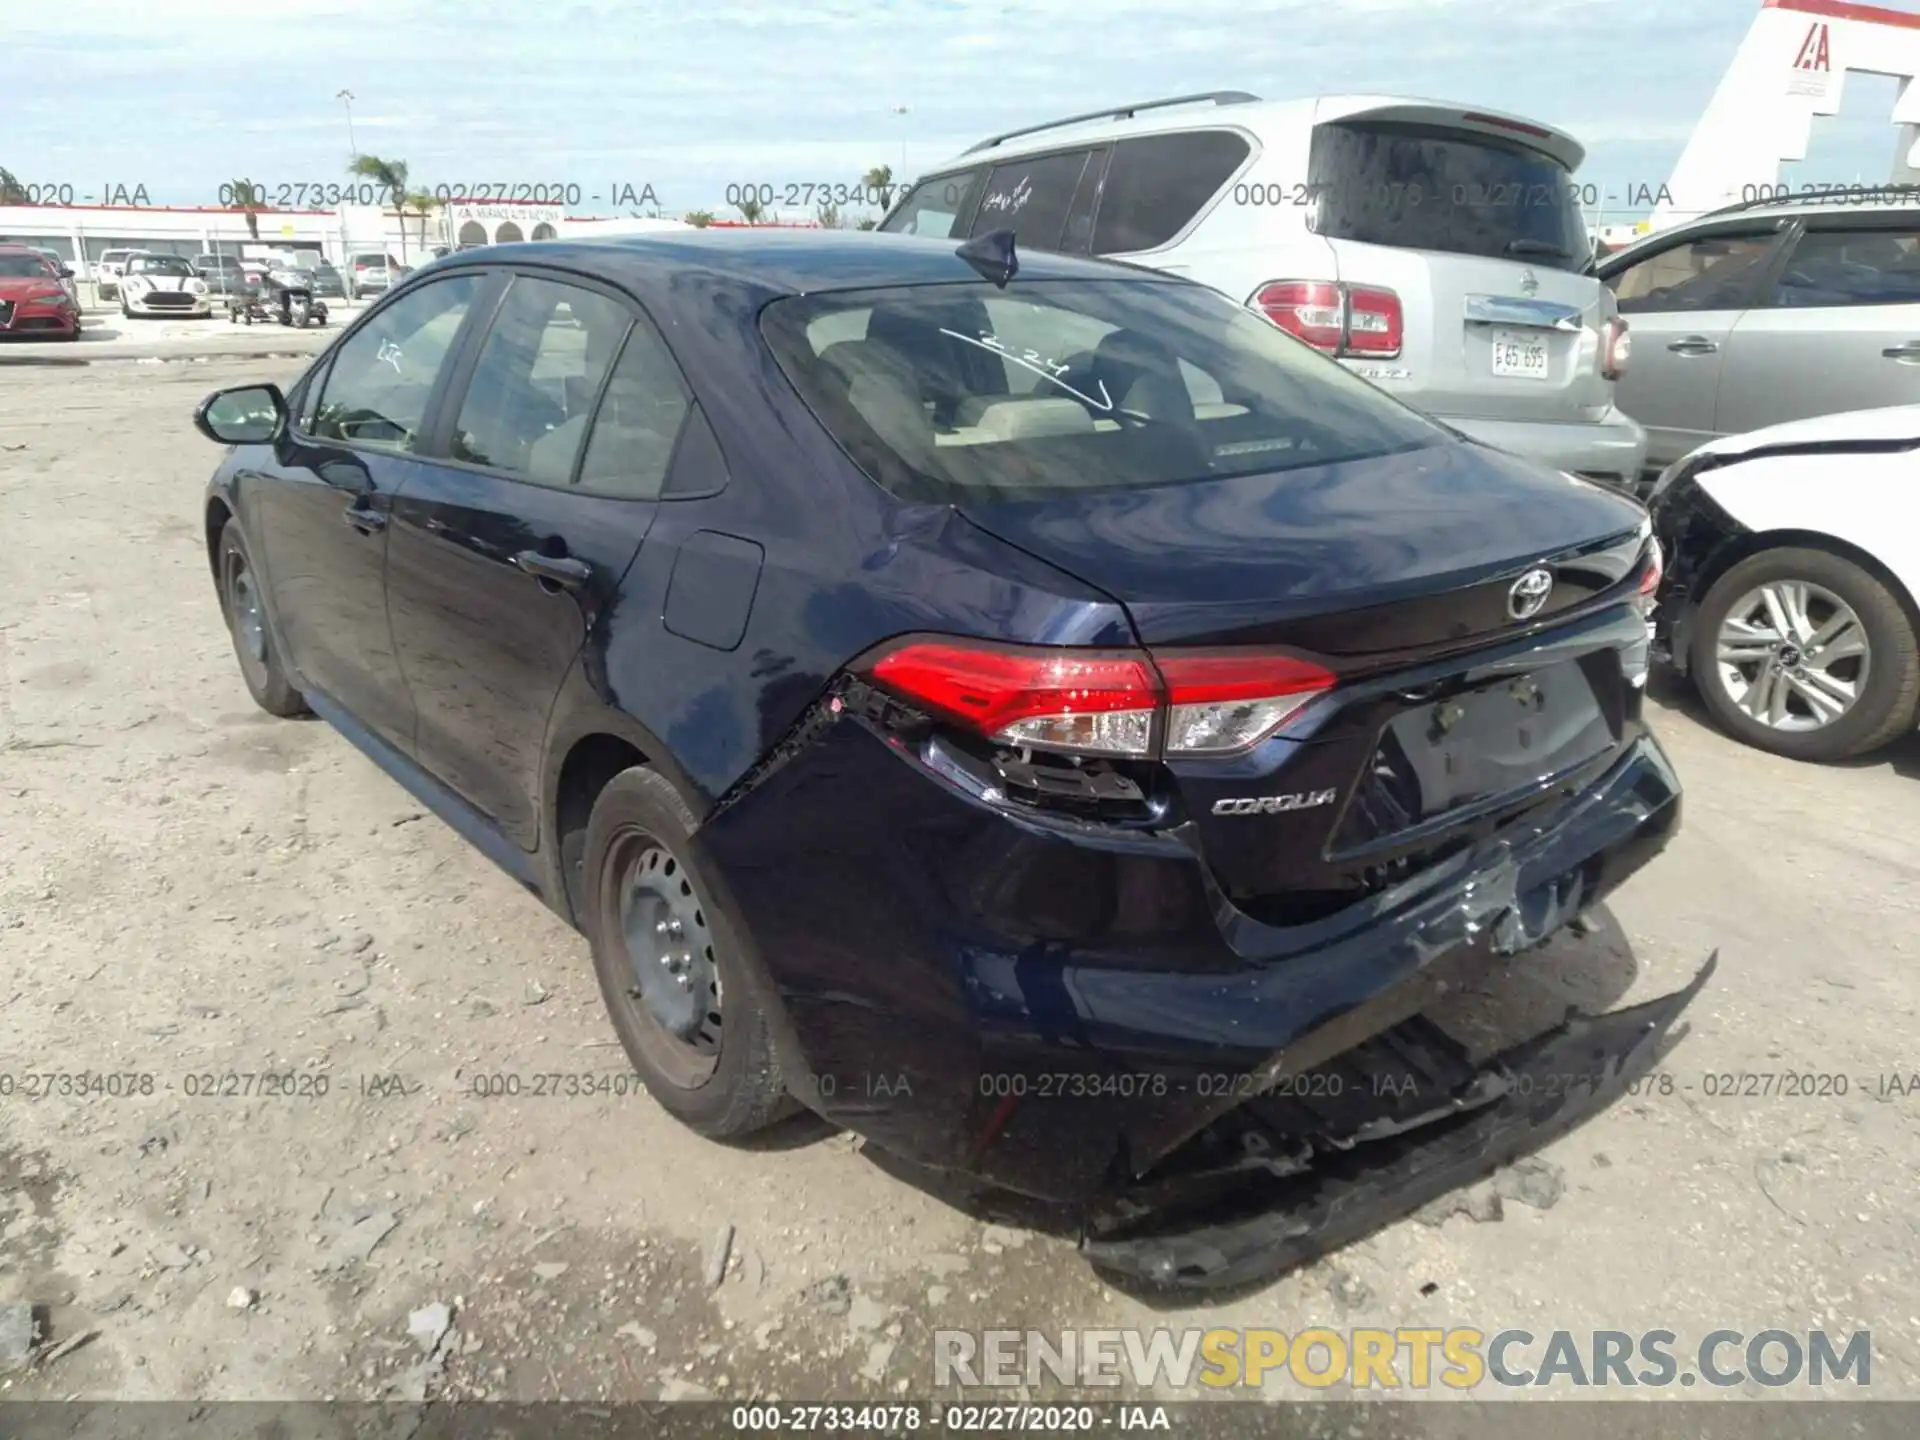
[1031,711]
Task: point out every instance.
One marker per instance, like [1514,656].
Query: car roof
[1266,116]
[772,263]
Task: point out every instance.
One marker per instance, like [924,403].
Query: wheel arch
[1746,546]
[217,516]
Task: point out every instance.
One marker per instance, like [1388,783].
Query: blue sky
[694,97]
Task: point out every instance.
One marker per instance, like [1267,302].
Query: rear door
[1682,302]
[1480,237]
[1837,329]
[557,437]
[1033,195]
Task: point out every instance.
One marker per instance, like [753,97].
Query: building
[82,233]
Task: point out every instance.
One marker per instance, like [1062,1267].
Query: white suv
[1438,250]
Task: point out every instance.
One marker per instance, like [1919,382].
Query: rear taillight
[1103,702]
[1337,318]
[1656,569]
[1616,345]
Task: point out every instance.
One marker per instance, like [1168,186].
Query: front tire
[245,609]
[688,1005]
[1805,654]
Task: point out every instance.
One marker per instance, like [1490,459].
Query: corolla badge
[1527,596]
[1275,804]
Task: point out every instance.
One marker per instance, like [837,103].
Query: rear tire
[245,609]
[698,1033]
[1777,694]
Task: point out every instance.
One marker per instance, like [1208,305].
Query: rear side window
[1425,188]
[936,206]
[1031,198]
[1157,184]
[638,421]
[541,366]
[1708,272]
[1852,267]
[947,393]
[383,376]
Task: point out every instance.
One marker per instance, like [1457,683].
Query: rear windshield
[1422,188]
[945,393]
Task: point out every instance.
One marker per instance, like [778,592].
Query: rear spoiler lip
[1554,143]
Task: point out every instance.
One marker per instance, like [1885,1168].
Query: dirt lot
[189,888]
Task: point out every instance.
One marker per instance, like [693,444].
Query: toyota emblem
[1527,597]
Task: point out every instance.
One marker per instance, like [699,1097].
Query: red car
[32,300]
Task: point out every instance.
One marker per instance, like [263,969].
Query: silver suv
[1437,250]
[1771,311]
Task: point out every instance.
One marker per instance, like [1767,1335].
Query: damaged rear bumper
[1324,1191]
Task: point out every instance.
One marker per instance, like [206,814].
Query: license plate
[1519,354]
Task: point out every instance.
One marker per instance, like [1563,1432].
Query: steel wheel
[249,616]
[672,986]
[1793,656]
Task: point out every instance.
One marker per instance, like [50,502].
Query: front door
[505,556]
[322,510]
[1681,305]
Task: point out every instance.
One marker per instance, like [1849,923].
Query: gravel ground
[190,888]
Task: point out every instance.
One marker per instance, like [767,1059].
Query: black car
[1035,713]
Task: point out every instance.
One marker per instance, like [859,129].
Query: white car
[163,285]
[1438,250]
[1792,591]
[107,270]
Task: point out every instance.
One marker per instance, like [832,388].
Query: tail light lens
[1087,702]
[1616,346]
[1656,570]
[1336,318]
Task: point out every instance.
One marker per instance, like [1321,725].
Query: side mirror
[244,415]
[66,272]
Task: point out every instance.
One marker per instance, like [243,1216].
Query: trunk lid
[1474,221]
[1370,558]
[1451,717]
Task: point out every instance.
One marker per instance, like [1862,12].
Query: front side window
[1709,272]
[936,206]
[954,392]
[1868,266]
[376,392]
[540,369]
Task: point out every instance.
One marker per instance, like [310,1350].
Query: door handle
[1907,352]
[1693,345]
[367,522]
[562,570]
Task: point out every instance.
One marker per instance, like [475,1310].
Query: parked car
[325,281]
[33,301]
[223,275]
[1768,312]
[920,671]
[107,270]
[163,285]
[1438,250]
[371,273]
[1793,592]
[61,269]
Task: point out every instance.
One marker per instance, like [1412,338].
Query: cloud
[691,98]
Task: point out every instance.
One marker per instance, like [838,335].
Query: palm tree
[390,176]
[828,216]
[423,203]
[699,219]
[12,192]
[879,181]
[750,209]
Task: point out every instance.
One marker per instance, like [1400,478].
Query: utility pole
[902,111]
[345,97]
